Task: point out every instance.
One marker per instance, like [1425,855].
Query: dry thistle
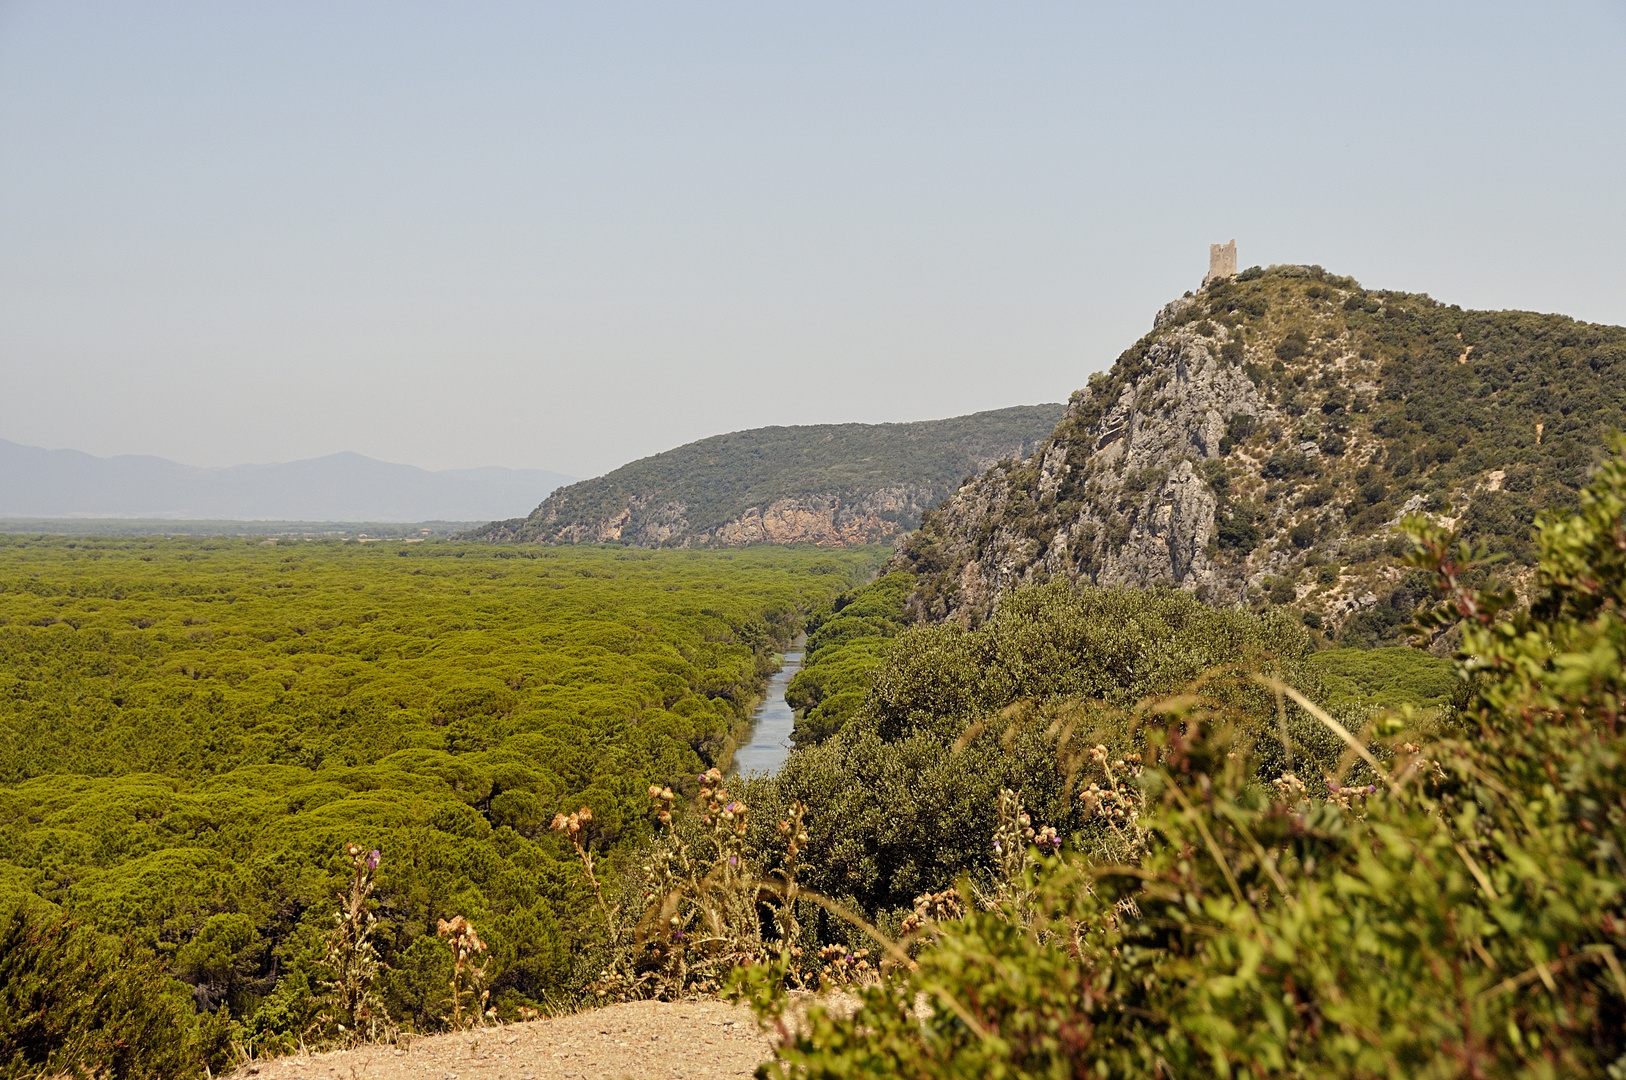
[931,909]
[1118,801]
[350,954]
[574,826]
[467,972]
[1289,789]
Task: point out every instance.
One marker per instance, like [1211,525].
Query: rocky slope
[829,484]
[1261,443]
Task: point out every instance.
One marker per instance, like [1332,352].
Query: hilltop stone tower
[1221,261]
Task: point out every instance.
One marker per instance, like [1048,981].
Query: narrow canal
[772,722]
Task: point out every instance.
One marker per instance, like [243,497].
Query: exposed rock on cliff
[834,484]
[1260,445]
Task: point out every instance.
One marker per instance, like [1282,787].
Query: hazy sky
[565,236]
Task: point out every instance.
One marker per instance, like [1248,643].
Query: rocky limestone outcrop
[1148,516]
[1265,443]
[827,519]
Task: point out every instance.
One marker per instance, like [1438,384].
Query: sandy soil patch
[641,1040]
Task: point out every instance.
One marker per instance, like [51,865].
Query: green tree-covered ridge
[832,484]
[1261,443]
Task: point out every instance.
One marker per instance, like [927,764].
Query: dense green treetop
[848,638]
[901,797]
[191,731]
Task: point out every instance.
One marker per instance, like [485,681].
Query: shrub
[1238,429]
[1390,677]
[1441,905]
[1293,346]
[901,800]
[1286,465]
[1320,495]
[1237,527]
[72,1003]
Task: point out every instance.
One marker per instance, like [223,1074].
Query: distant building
[1221,261]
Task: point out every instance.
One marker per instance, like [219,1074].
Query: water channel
[772,722]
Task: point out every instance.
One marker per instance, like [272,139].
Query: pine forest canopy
[192,730]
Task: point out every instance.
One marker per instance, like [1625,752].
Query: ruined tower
[1221,261]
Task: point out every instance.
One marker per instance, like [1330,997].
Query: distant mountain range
[833,484]
[38,483]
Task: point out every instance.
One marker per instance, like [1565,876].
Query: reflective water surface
[772,722]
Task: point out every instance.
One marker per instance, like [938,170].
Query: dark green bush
[1286,465]
[902,799]
[1238,429]
[71,1002]
[1452,907]
[1293,346]
[1237,527]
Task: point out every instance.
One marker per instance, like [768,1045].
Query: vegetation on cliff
[1262,443]
[1441,900]
[848,638]
[191,732]
[823,483]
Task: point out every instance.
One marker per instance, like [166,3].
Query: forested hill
[831,484]
[1260,445]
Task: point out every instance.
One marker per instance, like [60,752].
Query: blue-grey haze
[566,236]
[40,483]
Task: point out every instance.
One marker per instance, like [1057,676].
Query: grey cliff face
[825,519]
[1269,441]
[1147,517]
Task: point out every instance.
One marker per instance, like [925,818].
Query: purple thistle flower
[373,859]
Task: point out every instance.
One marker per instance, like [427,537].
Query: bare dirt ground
[642,1040]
